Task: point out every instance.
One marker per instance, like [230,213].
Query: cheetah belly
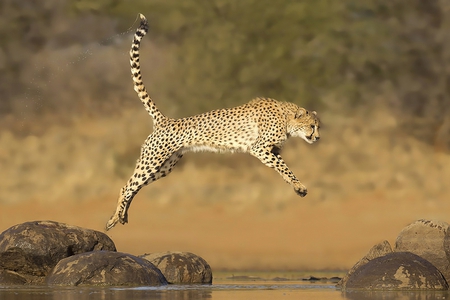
[208,148]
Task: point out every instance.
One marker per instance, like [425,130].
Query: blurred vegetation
[323,54]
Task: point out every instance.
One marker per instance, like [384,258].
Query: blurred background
[377,72]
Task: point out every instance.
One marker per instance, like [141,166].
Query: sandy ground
[366,182]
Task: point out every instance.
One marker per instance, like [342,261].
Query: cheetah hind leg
[128,192]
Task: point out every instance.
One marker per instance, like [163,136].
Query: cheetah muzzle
[259,127]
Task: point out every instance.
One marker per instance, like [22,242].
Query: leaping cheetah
[259,128]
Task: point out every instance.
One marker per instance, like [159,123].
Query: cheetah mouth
[311,139]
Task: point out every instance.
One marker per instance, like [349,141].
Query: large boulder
[181,267]
[426,239]
[34,248]
[8,278]
[397,271]
[378,250]
[447,253]
[105,268]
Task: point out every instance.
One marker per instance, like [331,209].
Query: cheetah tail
[139,86]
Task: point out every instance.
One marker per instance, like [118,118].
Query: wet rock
[313,278]
[105,268]
[335,279]
[181,267]
[397,271]
[8,278]
[447,253]
[378,250]
[34,248]
[426,239]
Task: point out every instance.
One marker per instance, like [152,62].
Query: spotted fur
[259,128]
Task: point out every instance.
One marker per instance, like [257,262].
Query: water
[225,286]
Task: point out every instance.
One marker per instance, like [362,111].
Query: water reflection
[103,294]
[223,288]
[397,295]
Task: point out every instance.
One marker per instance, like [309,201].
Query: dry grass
[366,182]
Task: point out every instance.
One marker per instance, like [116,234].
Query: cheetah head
[305,125]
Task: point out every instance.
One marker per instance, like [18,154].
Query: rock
[426,239]
[105,268]
[313,278]
[447,253]
[378,250]
[8,278]
[397,271]
[181,267]
[34,248]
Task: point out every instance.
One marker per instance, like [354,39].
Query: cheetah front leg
[271,157]
[144,174]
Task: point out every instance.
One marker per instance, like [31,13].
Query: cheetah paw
[111,223]
[116,218]
[301,191]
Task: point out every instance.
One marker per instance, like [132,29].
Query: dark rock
[335,279]
[105,268]
[312,278]
[322,279]
[34,248]
[447,253]
[181,267]
[8,278]
[378,250]
[426,239]
[397,271]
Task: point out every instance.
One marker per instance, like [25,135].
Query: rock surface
[34,248]
[378,250]
[426,239]
[105,268]
[8,278]
[447,253]
[181,267]
[397,271]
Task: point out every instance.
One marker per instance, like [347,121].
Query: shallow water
[225,286]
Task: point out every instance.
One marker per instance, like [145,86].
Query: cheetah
[259,128]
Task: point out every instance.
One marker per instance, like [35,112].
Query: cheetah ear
[314,112]
[301,112]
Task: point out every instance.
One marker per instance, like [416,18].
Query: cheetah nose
[317,138]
